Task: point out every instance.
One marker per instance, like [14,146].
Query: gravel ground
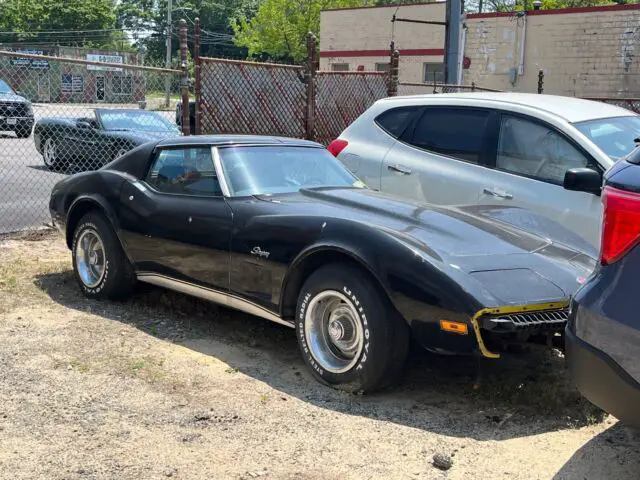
[165,386]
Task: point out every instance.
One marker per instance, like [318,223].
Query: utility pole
[452,40]
[167,78]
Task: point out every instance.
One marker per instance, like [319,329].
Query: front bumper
[602,381]
[14,122]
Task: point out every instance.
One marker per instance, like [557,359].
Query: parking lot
[25,182]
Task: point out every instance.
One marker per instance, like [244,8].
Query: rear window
[395,121]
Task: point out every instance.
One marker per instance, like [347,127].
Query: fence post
[198,77]
[540,81]
[473,86]
[186,130]
[310,79]
[394,64]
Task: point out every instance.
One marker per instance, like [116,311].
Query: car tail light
[337,146]
[620,224]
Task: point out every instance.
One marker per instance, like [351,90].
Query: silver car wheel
[49,152]
[333,331]
[90,258]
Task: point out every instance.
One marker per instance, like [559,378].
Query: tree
[472,6]
[279,28]
[146,21]
[58,21]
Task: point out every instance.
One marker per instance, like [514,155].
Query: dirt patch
[165,386]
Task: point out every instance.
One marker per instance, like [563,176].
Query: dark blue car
[603,331]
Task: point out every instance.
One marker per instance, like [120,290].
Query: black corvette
[280,229]
[92,142]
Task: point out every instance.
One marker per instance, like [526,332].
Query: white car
[493,149]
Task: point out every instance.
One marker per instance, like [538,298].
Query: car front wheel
[51,154]
[350,336]
[99,263]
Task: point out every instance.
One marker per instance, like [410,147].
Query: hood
[12,98]
[504,251]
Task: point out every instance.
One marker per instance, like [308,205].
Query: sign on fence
[29,62]
[104,58]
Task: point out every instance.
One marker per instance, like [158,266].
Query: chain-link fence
[341,97]
[410,88]
[252,98]
[70,111]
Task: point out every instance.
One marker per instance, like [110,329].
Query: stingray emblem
[259,252]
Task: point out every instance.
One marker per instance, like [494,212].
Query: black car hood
[13,98]
[506,250]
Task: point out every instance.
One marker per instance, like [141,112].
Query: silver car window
[534,150]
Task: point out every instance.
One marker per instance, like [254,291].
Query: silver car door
[530,164]
[440,158]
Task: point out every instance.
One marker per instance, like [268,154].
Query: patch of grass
[75,364]
[149,368]
[231,370]
[264,398]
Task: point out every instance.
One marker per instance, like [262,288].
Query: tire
[116,279]
[51,154]
[365,346]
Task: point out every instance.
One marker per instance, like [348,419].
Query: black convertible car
[92,142]
[280,229]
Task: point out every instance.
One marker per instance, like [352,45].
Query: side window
[456,132]
[529,148]
[187,171]
[395,121]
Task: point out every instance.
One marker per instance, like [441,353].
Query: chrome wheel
[49,152]
[90,258]
[333,331]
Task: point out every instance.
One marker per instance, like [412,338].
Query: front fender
[417,285]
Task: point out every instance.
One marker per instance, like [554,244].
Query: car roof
[221,140]
[570,108]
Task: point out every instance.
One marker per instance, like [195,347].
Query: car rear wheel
[99,263]
[51,155]
[349,334]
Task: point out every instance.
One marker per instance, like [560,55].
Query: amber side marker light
[454,327]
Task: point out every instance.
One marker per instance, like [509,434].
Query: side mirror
[583,180]
[84,125]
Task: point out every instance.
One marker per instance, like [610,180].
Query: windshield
[135,120]
[614,136]
[4,88]
[271,170]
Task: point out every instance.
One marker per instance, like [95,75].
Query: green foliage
[54,21]
[279,28]
[150,16]
[519,5]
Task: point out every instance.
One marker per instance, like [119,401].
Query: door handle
[400,169]
[497,194]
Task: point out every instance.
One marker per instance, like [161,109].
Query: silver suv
[493,149]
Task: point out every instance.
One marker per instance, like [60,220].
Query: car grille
[543,320]
[13,109]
